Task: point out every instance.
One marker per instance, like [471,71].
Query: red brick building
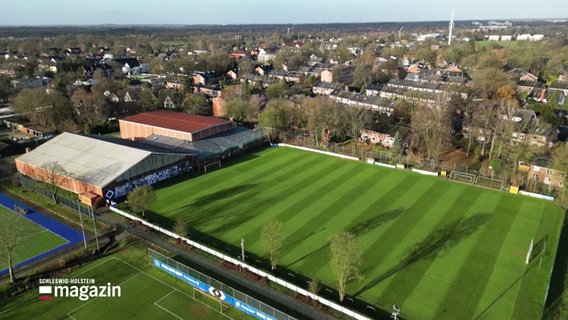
[172,124]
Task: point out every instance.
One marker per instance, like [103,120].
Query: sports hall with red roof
[172,124]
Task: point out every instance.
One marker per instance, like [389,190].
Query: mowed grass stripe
[478,265]
[324,211]
[201,186]
[512,260]
[442,227]
[297,209]
[430,233]
[340,215]
[292,199]
[295,196]
[298,197]
[426,299]
[233,204]
[537,270]
[383,251]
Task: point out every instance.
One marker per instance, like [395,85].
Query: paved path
[234,279]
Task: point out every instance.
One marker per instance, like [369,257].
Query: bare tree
[140,199]
[180,228]
[346,260]
[11,236]
[272,239]
[357,119]
[55,176]
[432,130]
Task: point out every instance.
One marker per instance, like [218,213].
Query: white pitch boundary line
[86,303]
[166,310]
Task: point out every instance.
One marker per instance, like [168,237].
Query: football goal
[211,301]
[490,182]
[462,177]
[212,166]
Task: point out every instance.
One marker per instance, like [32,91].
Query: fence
[40,189]
[216,288]
[245,266]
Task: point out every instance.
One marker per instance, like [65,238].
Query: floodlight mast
[451,29]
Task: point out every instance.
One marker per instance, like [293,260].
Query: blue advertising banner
[212,291]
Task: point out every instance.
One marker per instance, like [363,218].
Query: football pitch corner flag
[530,251]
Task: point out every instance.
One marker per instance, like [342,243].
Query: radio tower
[451,29]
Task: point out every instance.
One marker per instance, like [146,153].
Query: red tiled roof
[175,120]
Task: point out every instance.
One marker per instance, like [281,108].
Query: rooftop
[175,120]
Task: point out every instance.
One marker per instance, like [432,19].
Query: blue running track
[71,235]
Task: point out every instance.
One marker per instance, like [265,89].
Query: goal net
[490,182]
[211,301]
[462,177]
[212,166]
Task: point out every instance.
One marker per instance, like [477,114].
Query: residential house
[341,74]
[237,55]
[314,70]
[372,103]
[47,65]
[210,92]
[543,134]
[265,55]
[559,90]
[326,88]
[551,177]
[291,76]
[263,70]
[253,79]
[232,75]
[207,78]
[128,64]
[168,103]
[175,83]
[293,44]
[373,89]
[384,134]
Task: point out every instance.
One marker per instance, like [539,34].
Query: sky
[187,12]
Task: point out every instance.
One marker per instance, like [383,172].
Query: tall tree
[346,260]
[431,127]
[271,238]
[276,118]
[197,104]
[11,237]
[46,108]
[357,120]
[141,198]
[236,101]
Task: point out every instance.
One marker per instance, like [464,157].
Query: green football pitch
[35,239]
[438,249]
[145,293]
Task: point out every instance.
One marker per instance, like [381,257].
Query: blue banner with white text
[213,291]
